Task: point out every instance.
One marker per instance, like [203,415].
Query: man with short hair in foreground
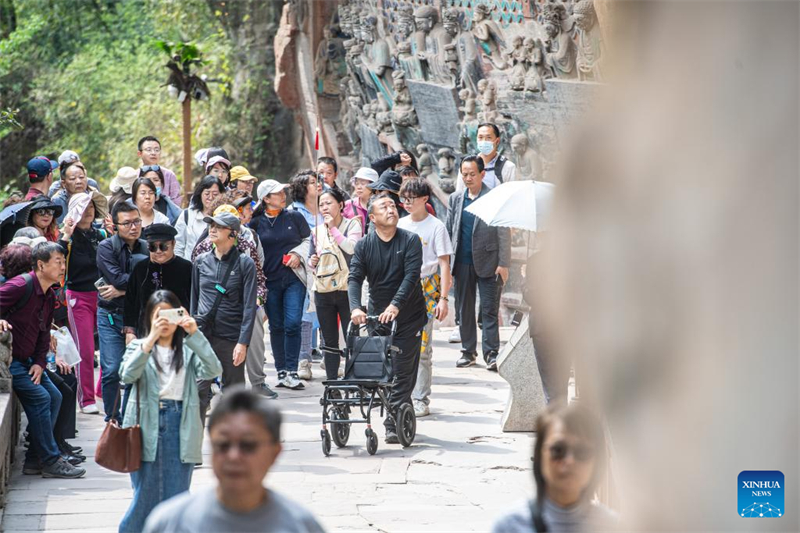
[245,432]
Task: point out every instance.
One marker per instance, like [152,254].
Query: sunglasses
[45,212]
[159,246]
[149,168]
[246,447]
[560,450]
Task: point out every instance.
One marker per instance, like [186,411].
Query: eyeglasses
[158,246]
[152,150]
[150,168]
[245,447]
[134,223]
[45,212]
[408,199]
[560,450]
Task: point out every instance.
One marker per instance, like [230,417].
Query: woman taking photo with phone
[163,366]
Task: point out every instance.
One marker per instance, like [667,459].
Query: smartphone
[100,283]
[172,315]
[286,258]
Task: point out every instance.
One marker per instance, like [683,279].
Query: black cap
[160,232]
[389,181]
[44,202]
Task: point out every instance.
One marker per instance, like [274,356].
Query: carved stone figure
[589,43]
[424,160]
[517,57]
[469,65]
[403,113]
[446,162]
[405,22]
[451,62]
[529,165]
[428,43]
[371,111]
[488,95]
[384,120]
[329,64]
[489,36]
[536,71]
[560,46]
[470,104]
[377,58]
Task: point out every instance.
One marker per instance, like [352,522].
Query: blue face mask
[485,147]
[158,192]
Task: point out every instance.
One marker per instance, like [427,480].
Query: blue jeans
[41,404]
[163,478]
[285,312]
[112,348]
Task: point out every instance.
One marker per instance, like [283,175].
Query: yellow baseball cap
[240,173]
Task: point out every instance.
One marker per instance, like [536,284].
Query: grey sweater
[234,318]
[584,516]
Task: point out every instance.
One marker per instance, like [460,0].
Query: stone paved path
[461,472]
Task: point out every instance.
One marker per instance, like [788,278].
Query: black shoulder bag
[206,322]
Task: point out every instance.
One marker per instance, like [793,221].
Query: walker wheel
[406,425]
[341,432]
[326,442]
[372,442]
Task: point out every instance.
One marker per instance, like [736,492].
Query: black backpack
[22,302]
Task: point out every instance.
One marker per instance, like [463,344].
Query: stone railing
[9,417]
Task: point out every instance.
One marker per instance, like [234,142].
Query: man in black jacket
[390,259]
[482,257]
[164,270]
[116,258]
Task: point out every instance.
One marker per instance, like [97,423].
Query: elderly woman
[163,203]
[568,460]
[190,225]
[80,239]
[357,205]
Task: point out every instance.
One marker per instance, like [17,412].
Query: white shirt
[170,383]
[490,179]
[188,233]
[435,241]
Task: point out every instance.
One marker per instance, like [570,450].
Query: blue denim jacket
[200,362]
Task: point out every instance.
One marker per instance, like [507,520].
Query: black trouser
[554,370]
[405,364]
[231,375]
[467,284]
[65,422]
[330,306]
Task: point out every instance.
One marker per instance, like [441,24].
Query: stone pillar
[517,365]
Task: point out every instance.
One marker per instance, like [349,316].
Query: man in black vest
[116,258]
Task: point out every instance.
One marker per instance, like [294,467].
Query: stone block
[371,146]
[517,365]
[437,112]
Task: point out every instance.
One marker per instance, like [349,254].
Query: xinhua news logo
[761,494]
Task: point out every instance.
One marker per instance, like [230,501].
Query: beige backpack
[332,271]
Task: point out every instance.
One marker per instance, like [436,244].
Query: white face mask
[485,147]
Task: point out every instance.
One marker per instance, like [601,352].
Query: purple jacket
[171,186]
[31,324]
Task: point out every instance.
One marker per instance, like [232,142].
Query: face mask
[485,147]
[158,192]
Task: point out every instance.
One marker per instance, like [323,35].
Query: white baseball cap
[268,187]
[366,173]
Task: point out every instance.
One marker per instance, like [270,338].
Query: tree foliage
[89,75]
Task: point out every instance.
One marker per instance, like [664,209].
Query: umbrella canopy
[13,218]
[516,204]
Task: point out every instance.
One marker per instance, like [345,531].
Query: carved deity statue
[446,162]
[489,36]
[529,165]
[403,113]
[589,43]
[487,91]
[377,58]
[561,51]
[405,22]
[517,57]
[329,64]
[469,67]
[536,71]
[470,104]
[424,160]
[428,43]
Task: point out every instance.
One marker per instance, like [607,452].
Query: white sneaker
[421,409]
[304,369]
[341,370]
[455,337]
[90,409]
[322,364]
[291,381]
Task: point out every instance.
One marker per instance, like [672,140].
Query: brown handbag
[120,449]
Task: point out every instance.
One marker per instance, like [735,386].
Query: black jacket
[115,262]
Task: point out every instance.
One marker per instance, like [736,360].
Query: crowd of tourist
[179,299]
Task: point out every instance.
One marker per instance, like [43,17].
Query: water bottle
[51,361]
